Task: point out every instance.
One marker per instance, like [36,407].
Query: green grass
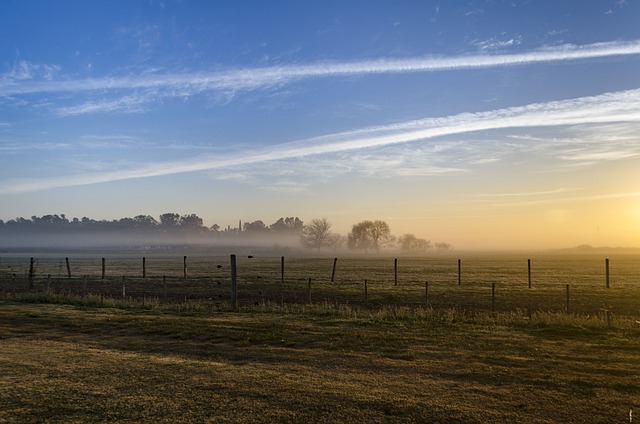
[259,281]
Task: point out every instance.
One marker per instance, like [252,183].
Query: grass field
[485,283]
[182,354]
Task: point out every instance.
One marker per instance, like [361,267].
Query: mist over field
[128,241]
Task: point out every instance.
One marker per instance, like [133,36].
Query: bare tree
[336,241]
[442,247]
[316,234]
[411,243]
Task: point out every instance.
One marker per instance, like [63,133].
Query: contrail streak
[623,106]
[254,78]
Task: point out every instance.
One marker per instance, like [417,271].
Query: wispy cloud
[20,81]
[134,103]
[571,199]
[16,147]
[608,108]
[524,194]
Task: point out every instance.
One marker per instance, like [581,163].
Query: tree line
[367,236]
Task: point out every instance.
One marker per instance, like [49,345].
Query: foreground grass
[321,363]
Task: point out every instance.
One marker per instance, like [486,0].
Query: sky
[485,124]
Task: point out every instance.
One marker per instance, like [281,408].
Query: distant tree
[145,221]
[288,225]
[370,235]
[255,227]
[411,243]
[336,241]
[191,222]
[359,238]
[316,234]
[169,220]
[442,247]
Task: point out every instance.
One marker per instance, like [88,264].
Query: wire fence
[577,284]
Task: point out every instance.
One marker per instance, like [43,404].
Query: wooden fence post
[568,301]
[234,291]
[606,262]
[281,288]
[426,294]
[32,273]
[184,267]
[365,291]
[333,273]
[103,268]
[459,272]
[144,267]
[68,267]
[395,272]
[529,271]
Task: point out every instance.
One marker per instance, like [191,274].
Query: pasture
[496,283]
[475,346]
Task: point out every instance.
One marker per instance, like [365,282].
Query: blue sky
[487,124]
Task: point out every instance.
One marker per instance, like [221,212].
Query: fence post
[568,301]
[395,272]
[144,267]
[459,272]
[13,283]
[309,292]
[333,273]
[426,294]
[32,273]
[185,267]
[68,267]
[281,288]
[282,270]
[103,268]
[365,291]
[529,271]
[234,292]
[606,263]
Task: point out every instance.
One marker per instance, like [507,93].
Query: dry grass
[318,363]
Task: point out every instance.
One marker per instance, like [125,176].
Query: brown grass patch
[69,364]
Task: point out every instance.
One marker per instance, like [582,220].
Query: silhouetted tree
[316,234]
[411,243]
[191,222]
[442,247]
[169,220]
[335,241]
[370,235]
[288,225]
[145,221]
[254,227]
